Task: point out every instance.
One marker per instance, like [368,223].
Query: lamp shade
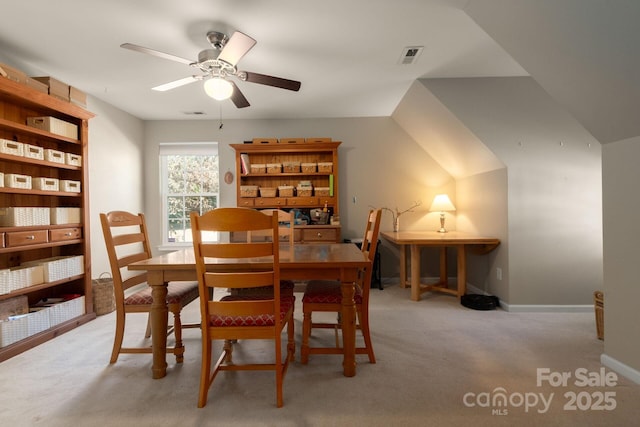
[442,203]
[218,88]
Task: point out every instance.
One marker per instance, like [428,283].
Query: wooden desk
[330,261]
[419,239]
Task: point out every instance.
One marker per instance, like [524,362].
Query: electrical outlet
[499,273]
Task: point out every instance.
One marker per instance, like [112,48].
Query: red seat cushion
[177,292]
[327,292]
[286,303]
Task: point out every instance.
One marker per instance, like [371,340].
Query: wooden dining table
[326,261]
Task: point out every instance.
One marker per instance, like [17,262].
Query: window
[190,182]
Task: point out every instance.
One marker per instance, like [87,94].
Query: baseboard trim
[543,308]
[514,308]
[619,367]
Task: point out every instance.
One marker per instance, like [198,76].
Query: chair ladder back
[246,220]
[286,223]
[372,230]
[370,241]
[127,241]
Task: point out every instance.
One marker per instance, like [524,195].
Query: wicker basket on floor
[104,300]
[598,298]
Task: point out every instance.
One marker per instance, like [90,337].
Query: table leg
[415,272]
[403,266]
[443,267]
[159,313]
[348,329]
[462,270]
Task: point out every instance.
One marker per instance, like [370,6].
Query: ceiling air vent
[410,54]
[195,113]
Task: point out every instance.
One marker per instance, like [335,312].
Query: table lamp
[442,203]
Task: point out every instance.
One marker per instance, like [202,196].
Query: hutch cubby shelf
[298,153]
[24,244]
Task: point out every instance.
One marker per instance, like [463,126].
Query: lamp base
[442,229]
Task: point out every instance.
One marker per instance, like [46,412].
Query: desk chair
[127,241]
[240,317]
[326,296]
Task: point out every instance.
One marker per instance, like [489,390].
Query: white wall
[554,186]
[482,208]
[116,152]
[621,176]
[379,165]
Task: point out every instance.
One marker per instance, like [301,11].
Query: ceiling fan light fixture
[218,88]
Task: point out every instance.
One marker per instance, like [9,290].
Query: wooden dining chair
[233,318]
[127,241]
[286,224]
[326,296]
[286,233]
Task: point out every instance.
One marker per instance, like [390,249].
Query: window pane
[191,183]
[176,230]
[208,203]
[175,207]
[175,174]
[210,181]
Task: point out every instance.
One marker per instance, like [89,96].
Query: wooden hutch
[292,174]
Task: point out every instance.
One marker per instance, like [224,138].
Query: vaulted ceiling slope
[584,53]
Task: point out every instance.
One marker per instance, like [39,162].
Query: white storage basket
[54,156]
[11,147]
[15,180]
[69,186]
[33,152]
[12,330]
[38,321]
[67,310]
[73,159]
[47,184]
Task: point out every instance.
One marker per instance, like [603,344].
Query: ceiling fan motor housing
[217,39]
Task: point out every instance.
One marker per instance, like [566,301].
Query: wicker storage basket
[304,191]
[274,167]
[325,167]
[258,168]
[267,191]
[321,191]
[598,298]
[285,191]
[291,167]
[104,300]
[248,191]
[309,167]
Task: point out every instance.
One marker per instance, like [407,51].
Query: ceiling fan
[217,64]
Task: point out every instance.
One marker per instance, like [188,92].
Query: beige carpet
[439,364]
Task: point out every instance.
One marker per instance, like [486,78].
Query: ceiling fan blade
[237,97]
[177,83]
[157,53]
[237,47]
[272,81]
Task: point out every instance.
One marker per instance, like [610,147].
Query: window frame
[182,149]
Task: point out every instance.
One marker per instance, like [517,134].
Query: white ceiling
[345,53]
